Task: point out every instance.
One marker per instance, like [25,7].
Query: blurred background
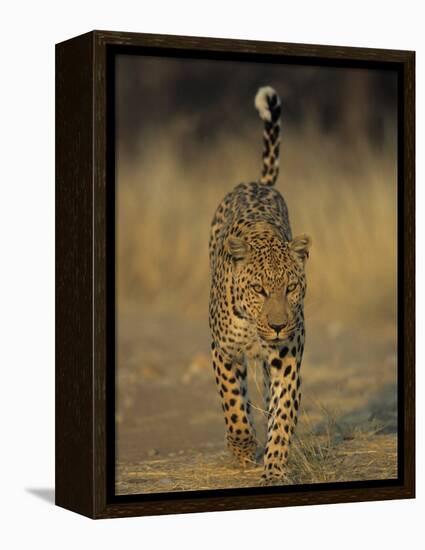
[187,133]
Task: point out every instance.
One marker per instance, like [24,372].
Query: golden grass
[328,446]
[342,195]
[314,459]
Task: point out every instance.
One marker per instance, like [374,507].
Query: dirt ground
[170,430]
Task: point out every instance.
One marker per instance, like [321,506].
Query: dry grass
[346,430]
[345,201]
[314,459]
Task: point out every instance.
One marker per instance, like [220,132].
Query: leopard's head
[269,282]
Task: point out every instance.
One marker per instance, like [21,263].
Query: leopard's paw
[274,476]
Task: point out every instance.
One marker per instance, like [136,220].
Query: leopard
[256,307]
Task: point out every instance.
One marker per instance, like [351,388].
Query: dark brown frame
[82,241]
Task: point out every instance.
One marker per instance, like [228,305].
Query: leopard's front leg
[231,380]
[285,396]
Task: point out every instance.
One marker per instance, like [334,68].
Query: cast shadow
[379,414]
[46,494]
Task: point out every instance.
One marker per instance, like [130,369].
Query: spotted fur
[267,103]
[258,286]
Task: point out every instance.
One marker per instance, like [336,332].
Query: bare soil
[170,430]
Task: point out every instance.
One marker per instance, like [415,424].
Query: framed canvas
[234,231]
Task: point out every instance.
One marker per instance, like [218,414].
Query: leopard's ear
[300,245]
[237,247]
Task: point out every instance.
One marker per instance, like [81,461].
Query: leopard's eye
[258,289]
[291,287]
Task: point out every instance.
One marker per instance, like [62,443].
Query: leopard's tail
[267,103]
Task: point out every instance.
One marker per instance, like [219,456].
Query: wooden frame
[84,265]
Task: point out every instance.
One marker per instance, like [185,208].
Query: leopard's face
[270,284]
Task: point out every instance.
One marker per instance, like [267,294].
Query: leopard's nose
[278,328]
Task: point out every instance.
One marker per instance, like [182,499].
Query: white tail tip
[264,95]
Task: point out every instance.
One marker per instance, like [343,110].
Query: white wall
[29,31]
